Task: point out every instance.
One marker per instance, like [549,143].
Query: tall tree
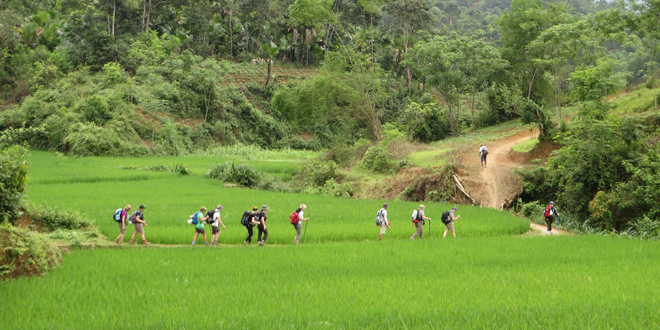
[408,17]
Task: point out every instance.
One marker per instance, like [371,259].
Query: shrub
[378,160]
[533,210]
[317,172]
[55,218]
[13,176]
[241,174]
[25,253]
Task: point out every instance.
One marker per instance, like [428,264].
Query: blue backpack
[117,215]
[195,219]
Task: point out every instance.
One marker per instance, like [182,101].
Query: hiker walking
[418,218]
[549,215]
[215,220]
[137,218]
[261,219]
[483,153]
[448,219]
[296,218]
[249,221]
[198,221]
[382,221]
[123,218]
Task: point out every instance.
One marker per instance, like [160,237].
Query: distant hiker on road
[448,219]
[418,218]
[137,218]
[249,221]
[198,221]
[382,221]
[215,220]
[549,215]
[261,219]
[483,153]
[123,219]
[296,218]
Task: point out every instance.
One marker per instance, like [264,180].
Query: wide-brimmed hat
[264,207]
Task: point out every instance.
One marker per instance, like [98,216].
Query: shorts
[200,230]
[383,228]
[138,228]
[483,157]
[450,226]
[215,229]
[122,230]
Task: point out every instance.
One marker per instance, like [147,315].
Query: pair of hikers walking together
[213,218]
[137,218]
[255,218]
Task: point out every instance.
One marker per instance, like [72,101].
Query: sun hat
[552,203]
[220,207]
[264,207]
[454,208]
[385,205]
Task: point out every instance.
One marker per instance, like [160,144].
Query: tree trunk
[474,93]
[114,16]
[531,82]
[269,69]
[231,35]
[408,72]
[557,91]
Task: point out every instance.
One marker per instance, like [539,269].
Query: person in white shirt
[298,225]
[215,225]
[382,221]
[483,153]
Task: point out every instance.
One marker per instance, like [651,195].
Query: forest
[177,77]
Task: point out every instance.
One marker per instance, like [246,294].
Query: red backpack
[294,217]
[548,211]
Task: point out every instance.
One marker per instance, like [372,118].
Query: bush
[316,173]
[533,210]
[241,174]
[13,176]
[25,253]
[55,218]
[378,160]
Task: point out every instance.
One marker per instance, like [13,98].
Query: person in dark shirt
[261,218]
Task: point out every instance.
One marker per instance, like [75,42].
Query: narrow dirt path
[497,185]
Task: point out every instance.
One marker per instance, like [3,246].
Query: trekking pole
[305,232]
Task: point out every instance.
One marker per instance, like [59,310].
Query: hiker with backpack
[198,219]
[215,221]
[448,219]
[137,218]
[121,216]
[248,220]
[418,218]
[549,215]
[296,218]
[261,219]
[382,221]
[483,153]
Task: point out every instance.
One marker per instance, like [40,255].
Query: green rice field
[339,277]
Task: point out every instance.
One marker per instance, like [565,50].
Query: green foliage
[316,173]
[13,177]
[378,160]
[54,218]
[533,210]
[25,253]
[242,174]
[424,122]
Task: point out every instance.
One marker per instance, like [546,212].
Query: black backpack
[445,217]
[210,214]
[245,219]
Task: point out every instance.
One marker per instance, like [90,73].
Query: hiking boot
[117,240]
[295,241]
[131,242]
[145,243]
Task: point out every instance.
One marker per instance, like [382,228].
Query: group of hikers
[257,217]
